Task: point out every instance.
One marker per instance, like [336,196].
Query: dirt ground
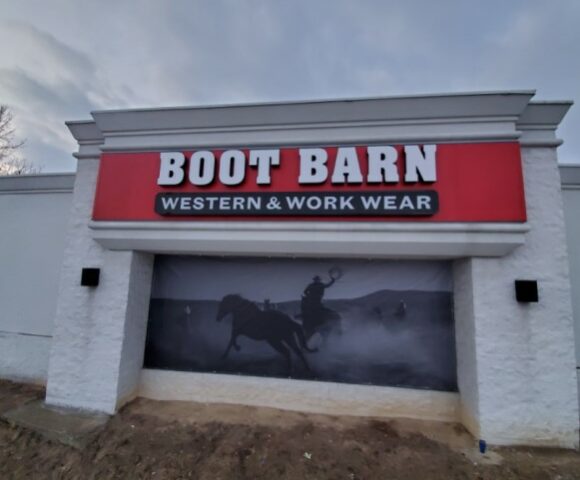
[179,440]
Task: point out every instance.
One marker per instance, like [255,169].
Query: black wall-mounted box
[90,277]
[526,291]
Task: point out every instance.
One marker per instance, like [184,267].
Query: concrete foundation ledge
[71,427]
[533,436]
[299,395]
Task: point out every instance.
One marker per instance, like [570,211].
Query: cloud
[46,83]
[61,60]
[538,48]
[36,51]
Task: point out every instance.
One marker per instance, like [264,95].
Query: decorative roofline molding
[570,176]
[390,109]
[38,183]
[450,118]
[539,121]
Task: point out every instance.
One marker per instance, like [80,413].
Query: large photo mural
[353,321]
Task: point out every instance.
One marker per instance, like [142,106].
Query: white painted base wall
[299,395]
[34,211]
[24,357]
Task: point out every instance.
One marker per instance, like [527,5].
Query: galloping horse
[319,319]
[272,326]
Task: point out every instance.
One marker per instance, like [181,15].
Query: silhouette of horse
[271,326]
[319,319]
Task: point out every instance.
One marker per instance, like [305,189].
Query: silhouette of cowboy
[314,292]
[315,316]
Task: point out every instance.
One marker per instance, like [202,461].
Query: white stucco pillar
[99,334]
[516,370]
[465,344]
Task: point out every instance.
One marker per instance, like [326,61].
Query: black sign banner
[377,322]
[369,203]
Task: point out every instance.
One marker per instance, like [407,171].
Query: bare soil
[179,440]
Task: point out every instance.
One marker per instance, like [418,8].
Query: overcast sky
[60,59]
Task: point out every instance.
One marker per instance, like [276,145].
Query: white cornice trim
[393,109]
[443,118]
[530,92]
[540,141]
[310,137]
[326,239]
[539,121]
[326,124]
[42,183]
[85,132]
[544,115]
[570,176]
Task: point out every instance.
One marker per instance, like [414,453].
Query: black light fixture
[90,277]
[527,291]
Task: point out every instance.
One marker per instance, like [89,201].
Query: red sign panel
[437,183]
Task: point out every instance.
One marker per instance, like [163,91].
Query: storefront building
[399,256]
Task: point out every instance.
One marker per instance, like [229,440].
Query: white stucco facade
[512,377]
[94,364]
[516,362]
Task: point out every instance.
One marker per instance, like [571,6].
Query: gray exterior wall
[34,212]
[570,176]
